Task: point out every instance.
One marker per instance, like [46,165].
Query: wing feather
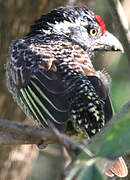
[35,84]
[102,91]
[43,104]
[24,99]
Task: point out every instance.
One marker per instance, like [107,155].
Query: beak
[108,42]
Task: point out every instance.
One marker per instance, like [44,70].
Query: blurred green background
[15,18]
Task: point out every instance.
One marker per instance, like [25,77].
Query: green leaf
[117,141]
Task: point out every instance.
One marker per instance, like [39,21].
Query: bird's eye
[93,32]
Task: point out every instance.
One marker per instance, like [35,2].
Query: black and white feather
[51,76]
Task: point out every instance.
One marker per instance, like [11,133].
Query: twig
[34,132]
[19,133]
[12,138]
[123,26]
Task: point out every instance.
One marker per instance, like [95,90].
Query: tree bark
[15,19]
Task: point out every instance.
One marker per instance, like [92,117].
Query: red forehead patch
[100,22]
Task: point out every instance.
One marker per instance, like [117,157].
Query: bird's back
[47,79]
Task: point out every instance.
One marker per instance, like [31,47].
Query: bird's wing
[103,93]
[32,75]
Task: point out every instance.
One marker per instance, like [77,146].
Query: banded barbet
[51,76]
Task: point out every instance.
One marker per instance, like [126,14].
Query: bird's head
[79,25]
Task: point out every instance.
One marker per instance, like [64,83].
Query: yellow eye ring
[93,32]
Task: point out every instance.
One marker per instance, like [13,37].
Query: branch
[18,129]
[12,138]
[122,23]
[18,133]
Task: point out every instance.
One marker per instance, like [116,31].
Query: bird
[51,76]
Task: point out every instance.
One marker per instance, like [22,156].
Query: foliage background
[15,18]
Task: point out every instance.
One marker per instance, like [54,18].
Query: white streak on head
[65,26]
